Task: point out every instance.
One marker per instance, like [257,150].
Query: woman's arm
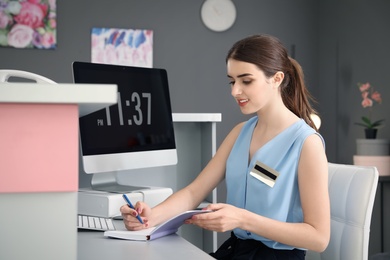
[193,194]
[189,197]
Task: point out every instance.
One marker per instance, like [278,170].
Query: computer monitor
[135,133]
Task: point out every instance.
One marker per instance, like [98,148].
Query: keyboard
[95,223]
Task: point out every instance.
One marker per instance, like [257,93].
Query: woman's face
[250,87]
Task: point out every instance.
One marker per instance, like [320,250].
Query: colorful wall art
[28,24]
[122,47]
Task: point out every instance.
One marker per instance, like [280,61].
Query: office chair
[6,74]
[352,192]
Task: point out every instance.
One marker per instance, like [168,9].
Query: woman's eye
[231,83]
[247,82]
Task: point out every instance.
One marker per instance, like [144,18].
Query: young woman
[274,164]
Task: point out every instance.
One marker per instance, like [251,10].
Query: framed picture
[122,47]
[28,24]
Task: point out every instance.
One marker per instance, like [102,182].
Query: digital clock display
[141,120]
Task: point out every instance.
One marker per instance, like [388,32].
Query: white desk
[93,245]
[196,143]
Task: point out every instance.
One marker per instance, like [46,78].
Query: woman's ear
[278,78]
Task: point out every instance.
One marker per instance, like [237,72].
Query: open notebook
[168,227]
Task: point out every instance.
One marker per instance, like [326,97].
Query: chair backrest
[352,192]
[6,74]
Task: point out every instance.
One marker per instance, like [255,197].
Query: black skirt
[239,249]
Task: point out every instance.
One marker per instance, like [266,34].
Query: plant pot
[373,147]
[382,163]
[370,133]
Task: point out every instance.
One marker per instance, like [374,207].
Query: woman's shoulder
[245,124]
[236,130]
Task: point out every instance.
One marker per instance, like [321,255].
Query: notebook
[168,227]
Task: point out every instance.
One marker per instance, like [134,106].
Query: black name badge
[265,174]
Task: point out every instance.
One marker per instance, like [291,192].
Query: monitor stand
[104,198]
[108,182]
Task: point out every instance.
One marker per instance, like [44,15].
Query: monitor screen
[137,132]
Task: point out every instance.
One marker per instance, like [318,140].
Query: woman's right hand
[130,216]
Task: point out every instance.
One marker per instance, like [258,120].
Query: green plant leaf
[366,120]
[377,123]
[364,125]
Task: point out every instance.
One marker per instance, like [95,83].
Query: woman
[275,165]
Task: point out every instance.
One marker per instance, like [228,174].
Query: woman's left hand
[224,217]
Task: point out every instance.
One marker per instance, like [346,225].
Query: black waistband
[250,249]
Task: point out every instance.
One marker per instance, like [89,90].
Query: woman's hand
[129,216]
[224,217]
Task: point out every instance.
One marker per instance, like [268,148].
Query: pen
[131,206]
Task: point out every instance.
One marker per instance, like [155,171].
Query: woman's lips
[242,102]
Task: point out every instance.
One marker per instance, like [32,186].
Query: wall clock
[218,15]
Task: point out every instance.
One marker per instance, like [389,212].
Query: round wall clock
[218,15]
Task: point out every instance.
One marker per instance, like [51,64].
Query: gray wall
[354,45]
[193,55]
[338,43]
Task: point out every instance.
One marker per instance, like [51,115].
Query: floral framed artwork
[28,24]
[127,47]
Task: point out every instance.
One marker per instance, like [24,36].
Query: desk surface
[93,245]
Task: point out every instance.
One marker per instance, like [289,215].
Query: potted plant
[370,98]
[370,145]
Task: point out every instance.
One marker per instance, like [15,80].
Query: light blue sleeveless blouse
[281,202]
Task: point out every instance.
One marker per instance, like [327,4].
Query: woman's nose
[236,89]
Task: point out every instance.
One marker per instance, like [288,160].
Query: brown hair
[269,55]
